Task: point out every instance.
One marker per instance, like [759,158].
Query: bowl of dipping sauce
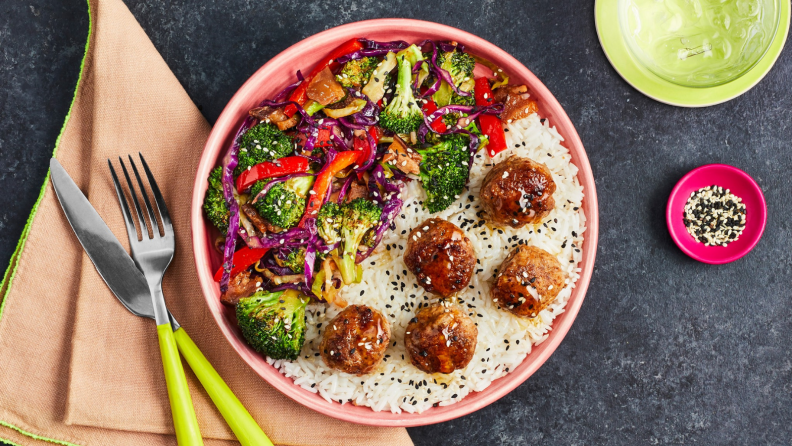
[699,43]
[716,213]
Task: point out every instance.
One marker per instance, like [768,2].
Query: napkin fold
[76,367]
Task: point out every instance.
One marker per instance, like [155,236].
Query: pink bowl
[274,76]
[740,184]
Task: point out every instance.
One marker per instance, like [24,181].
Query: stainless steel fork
[152,255]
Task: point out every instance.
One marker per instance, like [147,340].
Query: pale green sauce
[698,43]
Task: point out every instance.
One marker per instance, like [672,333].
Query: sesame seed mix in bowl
[397,233]
[504,340]
[714,216]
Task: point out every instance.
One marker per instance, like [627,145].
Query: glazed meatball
[440,338]
[440,256]
[527,281]
[355,340]
[517,191]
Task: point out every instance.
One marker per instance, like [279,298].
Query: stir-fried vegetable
[270,169]
[214,202]
[358,216]
[322,184]
[444,172]
[284,203]
[273,323]
[490,125]
[263,142]
[300,94]
[243,259]
[402,114]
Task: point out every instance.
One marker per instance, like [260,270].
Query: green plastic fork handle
[184,421]
[238,418]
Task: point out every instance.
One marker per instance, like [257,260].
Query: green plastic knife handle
[184,421]
[238,418]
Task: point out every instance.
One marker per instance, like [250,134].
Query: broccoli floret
[328,222]
[359,215]
[281,207]
[257,187]
[460,66]
[262,142]
[357,72]
[295,260]
[444,171]
[450,119]
[402,115]
[462,100]
[284,204]
[273,323]
[214,202]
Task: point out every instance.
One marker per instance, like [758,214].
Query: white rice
[504,340]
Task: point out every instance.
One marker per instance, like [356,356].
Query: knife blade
[103,248]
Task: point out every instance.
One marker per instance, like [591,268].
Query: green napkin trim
[8,277]
[31,435]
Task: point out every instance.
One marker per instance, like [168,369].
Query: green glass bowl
[606,17]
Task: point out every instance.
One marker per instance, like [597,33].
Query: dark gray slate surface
[665,350]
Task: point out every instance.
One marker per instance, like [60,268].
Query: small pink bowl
[274,76]
[741,185]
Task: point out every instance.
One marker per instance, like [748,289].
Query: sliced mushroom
[516,102]
[325,89]
[276,116]
[261,225]
[402,157]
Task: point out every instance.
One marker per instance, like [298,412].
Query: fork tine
[161,207]
[130,225]
[141,219]
[152,218]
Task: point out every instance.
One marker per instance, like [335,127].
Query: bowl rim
[674,200]
[227,123]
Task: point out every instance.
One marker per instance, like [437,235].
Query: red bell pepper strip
[437,125]
[375,133]
[362,145]
[490,124]
[322,184]
[300,94]
[242,260]
[324,138]
[271,169]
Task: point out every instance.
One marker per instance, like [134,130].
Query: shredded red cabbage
[472,112]
[301,287]
[269,262]
[288,239]
[373,49]
[325,249]
[343,191]
[392,45]
[230,161]
[289,88]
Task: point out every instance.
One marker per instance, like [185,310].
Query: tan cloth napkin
[75,366]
